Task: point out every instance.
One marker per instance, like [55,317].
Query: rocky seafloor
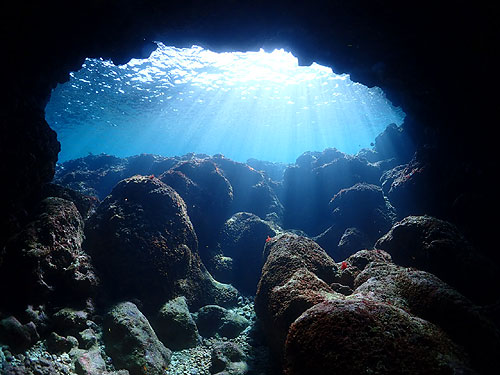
[337,264]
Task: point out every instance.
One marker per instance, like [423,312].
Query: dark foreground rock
[438,247]
[45,261]
[426,296]
[295,277]
[132,343]
[352,336]
[145,247]
[367,314]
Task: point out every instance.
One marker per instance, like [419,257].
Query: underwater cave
[291,189]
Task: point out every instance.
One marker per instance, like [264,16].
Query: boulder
[309,185]
[45,261]
[227,358]
[16,335]
[251,191]
[426,296]
[207,193]
[175,326]
[213,319]
[438,247]
[145,247]
[132,343]
[295,277]
[362,336]
[242,239]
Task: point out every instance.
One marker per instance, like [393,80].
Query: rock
[288,301]
[351,241]
[363,206]
[207,193]
[96,175]
[175,327]
[85,204]
[45,261]
[68,321]
[438,247]
[145,247]
[272,170]
[394,142]
[213,319]
[232,325]
[227,358]
[89,338]
[309,185]
[16,335]
[242,239]
[426,296]
[295,277]
[360,215]
[61,344]
[90,363]
[209,319]
[362,336]
[251,191]
[132,343]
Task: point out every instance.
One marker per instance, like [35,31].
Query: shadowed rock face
[144,246]
[45,261]
[437,246]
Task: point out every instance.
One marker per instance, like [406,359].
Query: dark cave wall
[419,54]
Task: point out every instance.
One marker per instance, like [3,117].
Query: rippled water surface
[243,105]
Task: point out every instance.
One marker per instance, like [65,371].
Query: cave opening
[244,105]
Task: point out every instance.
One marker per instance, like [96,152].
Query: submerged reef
[153,265]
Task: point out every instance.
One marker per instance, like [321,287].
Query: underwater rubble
[202,265]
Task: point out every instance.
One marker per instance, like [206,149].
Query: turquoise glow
[244,105]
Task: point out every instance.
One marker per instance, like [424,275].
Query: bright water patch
[244,105]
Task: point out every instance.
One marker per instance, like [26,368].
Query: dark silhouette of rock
[96,175]
[438,247]
[132,343]
[251,192]
[145,247]
[360,335]
[208,196]
[175,326]
[362,207]
[315,178]
[242,239]
[272,170]
[45,261]
[16,335]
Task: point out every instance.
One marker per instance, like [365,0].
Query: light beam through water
[244,105]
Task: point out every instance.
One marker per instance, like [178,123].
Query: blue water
[244,105]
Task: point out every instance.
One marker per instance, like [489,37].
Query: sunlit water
[243,105]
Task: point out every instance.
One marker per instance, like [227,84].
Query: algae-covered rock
[145,247]
[213,319]
[242,238]
[45,261]
[175,326]
[362,336]
[132,343]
